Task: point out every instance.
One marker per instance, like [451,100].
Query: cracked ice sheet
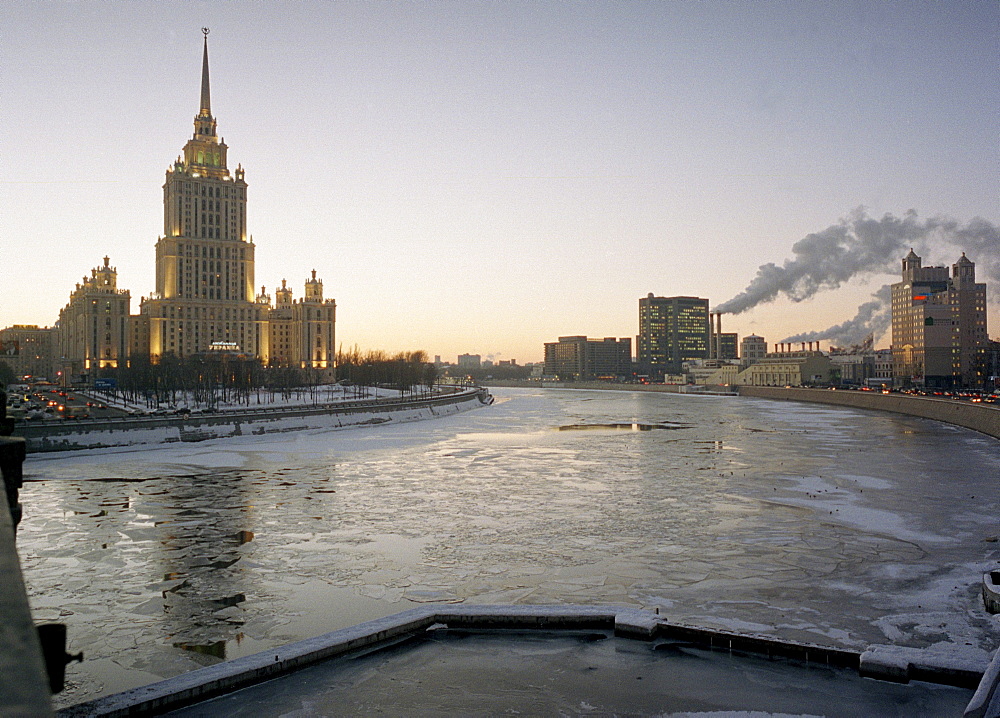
[299,448]
[263,540]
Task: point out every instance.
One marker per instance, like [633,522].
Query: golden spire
[206,99]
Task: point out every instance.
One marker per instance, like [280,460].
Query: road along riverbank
[984,419]
[131,431]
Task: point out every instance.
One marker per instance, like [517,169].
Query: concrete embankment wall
[130,431]
[607,386]
[985,419]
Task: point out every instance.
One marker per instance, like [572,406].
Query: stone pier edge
[881,662]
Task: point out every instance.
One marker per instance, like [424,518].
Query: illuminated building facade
[29,350]
[672,330]
[205,268]
[93,327]
[939,325]
[204,263]
[301,332]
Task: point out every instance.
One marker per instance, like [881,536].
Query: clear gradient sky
[484,177]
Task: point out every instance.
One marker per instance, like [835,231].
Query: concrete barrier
[886,662]
[985,702]
[978,417]
[991,591]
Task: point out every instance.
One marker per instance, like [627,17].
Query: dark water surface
[824,524]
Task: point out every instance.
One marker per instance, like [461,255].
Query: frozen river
[823,524]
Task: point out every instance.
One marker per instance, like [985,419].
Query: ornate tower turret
[314,289]
[911,266]
[963,273]
[283,296]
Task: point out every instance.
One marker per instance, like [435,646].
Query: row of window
[209,190]
[211,313]
[211,252]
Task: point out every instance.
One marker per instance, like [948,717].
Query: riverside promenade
[130,431]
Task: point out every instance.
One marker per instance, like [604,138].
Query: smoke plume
[872,318]
[860,245]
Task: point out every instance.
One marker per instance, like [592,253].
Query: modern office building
[204,294]
[672,330]
[93,327]
[939,325]
[992,365]
[580,358]
[727,346]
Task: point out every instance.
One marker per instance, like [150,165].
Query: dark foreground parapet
[619,622]
[24,689]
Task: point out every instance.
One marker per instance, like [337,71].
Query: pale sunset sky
[484,177]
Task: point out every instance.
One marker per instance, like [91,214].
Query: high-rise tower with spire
[204,295]
[204,261]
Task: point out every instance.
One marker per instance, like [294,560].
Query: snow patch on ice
[836,504]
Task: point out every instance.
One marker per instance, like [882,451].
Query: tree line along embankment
[984,419]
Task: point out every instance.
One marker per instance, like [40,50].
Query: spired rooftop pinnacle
[205,153]
[204,123]
[206,95]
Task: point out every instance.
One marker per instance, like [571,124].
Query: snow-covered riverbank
[286,416]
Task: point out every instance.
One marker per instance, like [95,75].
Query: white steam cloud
[872,318]
[860,245]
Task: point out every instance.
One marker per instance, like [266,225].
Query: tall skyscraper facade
[204,296]
[204,261]
[939,325]
[672,330]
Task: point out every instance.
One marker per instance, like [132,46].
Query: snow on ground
[301,397]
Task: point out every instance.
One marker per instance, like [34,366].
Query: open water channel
[825,524]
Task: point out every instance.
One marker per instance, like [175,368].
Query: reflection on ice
[794,520]
[622,427]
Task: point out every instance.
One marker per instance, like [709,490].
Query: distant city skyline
[483,178]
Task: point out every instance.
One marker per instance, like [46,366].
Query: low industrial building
[784,368]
